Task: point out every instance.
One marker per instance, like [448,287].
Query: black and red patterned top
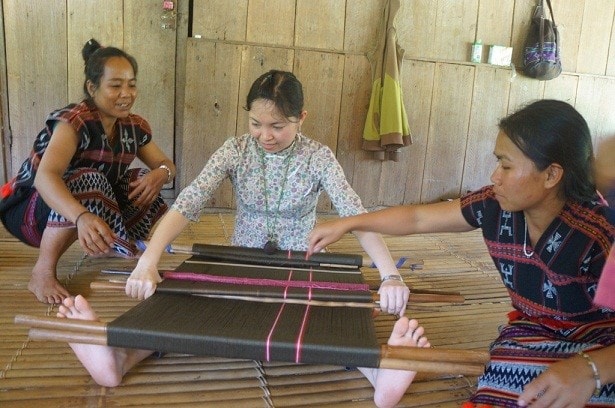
[94,150]
[558,280]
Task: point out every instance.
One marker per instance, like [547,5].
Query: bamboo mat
[37,373]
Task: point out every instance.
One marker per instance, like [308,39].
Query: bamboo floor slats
[41,373]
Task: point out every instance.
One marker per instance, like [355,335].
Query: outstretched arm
[444,216]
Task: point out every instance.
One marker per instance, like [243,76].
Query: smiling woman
[77,184]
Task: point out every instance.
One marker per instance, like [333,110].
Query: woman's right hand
[324,234]
[143,281]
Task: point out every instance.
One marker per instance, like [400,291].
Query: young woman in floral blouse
[277,174]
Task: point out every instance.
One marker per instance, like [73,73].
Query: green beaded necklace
[271,245]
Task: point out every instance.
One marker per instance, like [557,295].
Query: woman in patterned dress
[549,234]
[76,183]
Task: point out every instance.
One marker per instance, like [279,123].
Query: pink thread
[202,277]
[275,323]
[290,274]
[268,342]
[299,342]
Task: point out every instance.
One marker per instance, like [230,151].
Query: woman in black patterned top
[549,234]
[76,183]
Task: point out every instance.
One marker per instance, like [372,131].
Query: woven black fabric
[184,323]
[238,329]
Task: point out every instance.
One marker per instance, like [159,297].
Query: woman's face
[117,91]
[517,183]
[273,131]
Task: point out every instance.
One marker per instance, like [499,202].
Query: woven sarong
[525,349]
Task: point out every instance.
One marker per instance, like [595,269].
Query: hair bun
[89,48]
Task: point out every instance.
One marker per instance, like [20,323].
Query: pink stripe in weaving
[275,322]
[203,277]
[299,342]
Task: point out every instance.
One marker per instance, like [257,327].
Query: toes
[418,333]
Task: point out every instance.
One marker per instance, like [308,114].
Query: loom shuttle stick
[402,263]
[292,301]
[46,322]
[414,297]
[68,336]
[429,354]
[432,366]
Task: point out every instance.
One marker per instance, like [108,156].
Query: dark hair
[280,87]
[550,131]
[95,57]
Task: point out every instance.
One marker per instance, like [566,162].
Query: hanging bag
[541,56]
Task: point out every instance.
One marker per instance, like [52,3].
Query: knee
[89,180]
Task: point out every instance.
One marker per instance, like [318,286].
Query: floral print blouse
[276,193]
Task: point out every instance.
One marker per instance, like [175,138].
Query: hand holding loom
[418,296]
[254,259]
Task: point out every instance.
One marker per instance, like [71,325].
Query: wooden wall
[453,105]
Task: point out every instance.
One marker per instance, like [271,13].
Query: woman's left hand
[145,190]
[393,297]
[567,383]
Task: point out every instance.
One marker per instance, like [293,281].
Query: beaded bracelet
[79,216]
[592,365]
[169,173]
[392,277]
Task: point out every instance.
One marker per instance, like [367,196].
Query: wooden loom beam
[415,297]
[401,263]
[434,360]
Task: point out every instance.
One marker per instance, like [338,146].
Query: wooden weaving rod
[217,251]
[415,297]
[448,361]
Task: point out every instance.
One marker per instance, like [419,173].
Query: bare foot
[102,362]
[46,288]
[391,385]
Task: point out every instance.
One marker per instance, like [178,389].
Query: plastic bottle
[477,52]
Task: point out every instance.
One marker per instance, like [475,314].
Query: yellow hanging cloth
[386,126]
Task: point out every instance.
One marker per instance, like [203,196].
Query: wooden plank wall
[453,105]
